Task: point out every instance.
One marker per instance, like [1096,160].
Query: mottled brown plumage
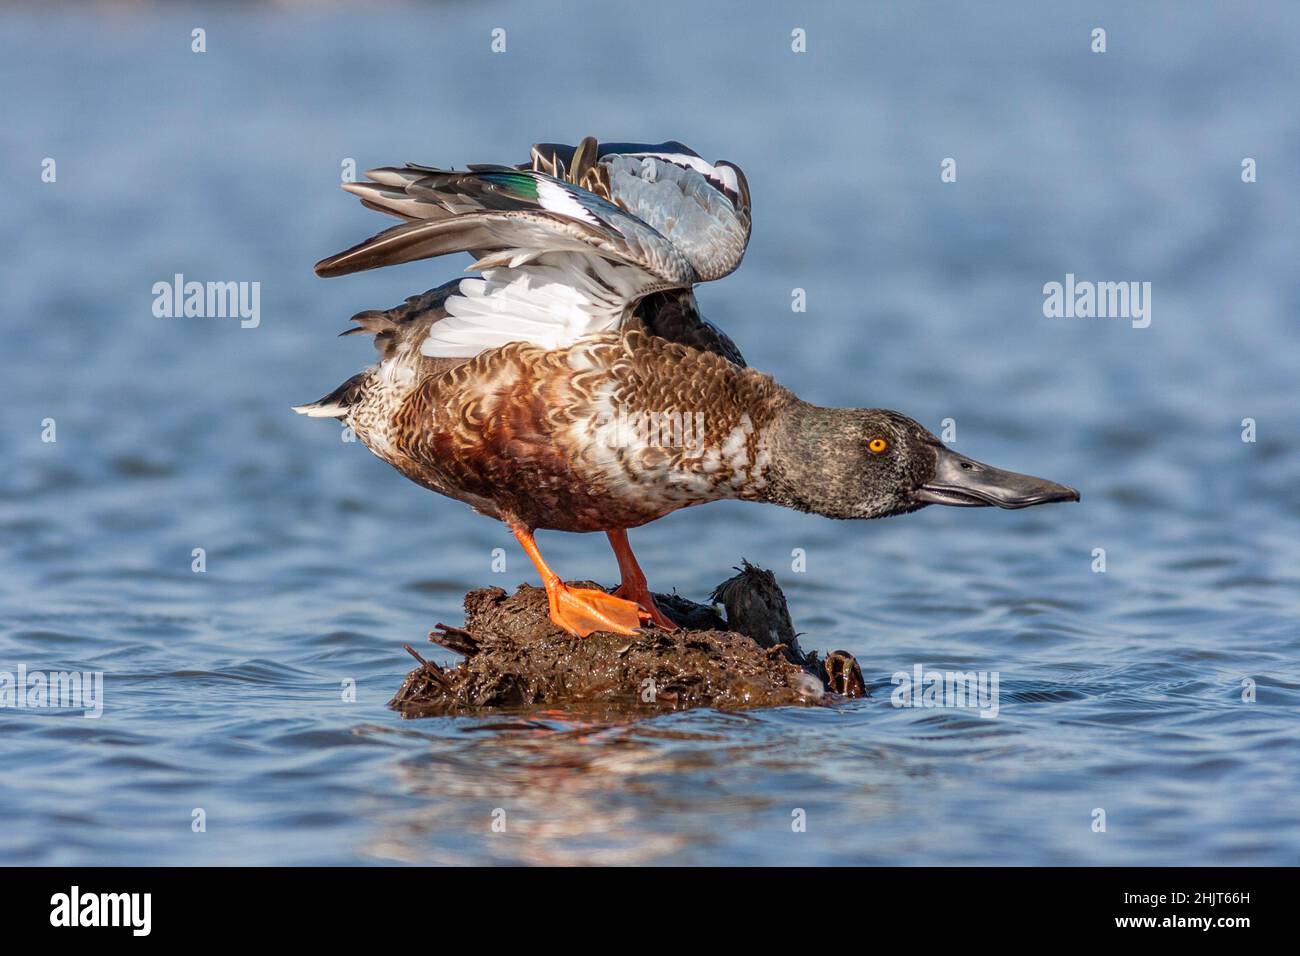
[612,432]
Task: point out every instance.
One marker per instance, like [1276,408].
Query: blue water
[1120,691]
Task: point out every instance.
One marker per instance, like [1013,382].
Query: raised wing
[588,240]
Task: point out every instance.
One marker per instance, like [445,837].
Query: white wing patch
[552,301]
[557,199]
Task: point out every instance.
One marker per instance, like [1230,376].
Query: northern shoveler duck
[574,385]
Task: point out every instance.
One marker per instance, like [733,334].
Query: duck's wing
[702,208]
[559,260]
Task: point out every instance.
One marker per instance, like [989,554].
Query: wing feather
[511,214]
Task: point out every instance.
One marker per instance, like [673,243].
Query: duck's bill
[965,483]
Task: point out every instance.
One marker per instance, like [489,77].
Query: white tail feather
[314,410]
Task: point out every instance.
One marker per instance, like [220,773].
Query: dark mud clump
[741,652]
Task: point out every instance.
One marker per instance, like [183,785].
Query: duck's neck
[812,464]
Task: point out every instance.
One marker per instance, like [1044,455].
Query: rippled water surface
[1120,691]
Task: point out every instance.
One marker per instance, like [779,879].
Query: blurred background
[1121,691]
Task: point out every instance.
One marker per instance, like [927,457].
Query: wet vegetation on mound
[739,652]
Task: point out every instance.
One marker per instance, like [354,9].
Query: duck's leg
[579,611]
[634,584]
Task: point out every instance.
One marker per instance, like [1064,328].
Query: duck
[570,382]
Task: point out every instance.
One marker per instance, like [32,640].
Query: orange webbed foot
[580,611]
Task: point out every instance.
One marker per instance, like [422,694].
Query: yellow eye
[877,445]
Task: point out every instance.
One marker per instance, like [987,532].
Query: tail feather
[337,403]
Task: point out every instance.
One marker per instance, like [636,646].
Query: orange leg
[634,584]
[580,611]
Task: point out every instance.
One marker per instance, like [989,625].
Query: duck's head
[872,462]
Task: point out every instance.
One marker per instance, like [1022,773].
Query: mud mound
[740,653]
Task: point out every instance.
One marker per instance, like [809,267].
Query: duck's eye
[877,445]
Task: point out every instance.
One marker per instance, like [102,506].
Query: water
[1120,691]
